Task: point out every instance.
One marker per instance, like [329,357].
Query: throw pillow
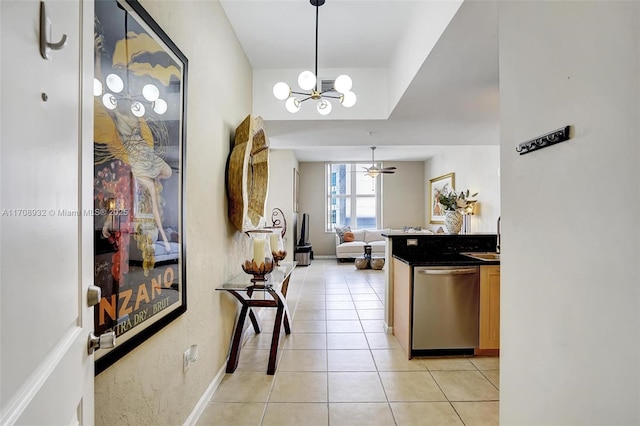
[340,231]
[374,235]
[348,237]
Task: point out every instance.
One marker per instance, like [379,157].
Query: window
[353,199]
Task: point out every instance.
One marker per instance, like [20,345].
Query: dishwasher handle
[456,271]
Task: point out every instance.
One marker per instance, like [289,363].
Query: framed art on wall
[140,86]
[296,189]
[439,185]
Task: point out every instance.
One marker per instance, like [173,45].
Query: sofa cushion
[371,235]
[358,234]
[348,237]
[340,230]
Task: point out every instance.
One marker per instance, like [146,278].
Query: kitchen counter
[425,249]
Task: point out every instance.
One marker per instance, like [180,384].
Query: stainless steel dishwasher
[445,307]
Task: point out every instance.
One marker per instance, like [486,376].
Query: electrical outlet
[190,356]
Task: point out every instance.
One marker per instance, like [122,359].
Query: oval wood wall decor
[248,175]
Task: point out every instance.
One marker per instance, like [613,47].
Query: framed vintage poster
[439,185]
[140,86]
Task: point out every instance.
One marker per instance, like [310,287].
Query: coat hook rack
[551,138]
[45,30]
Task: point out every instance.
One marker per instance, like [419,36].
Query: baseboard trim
[324,256]
[206,397]
[213,386]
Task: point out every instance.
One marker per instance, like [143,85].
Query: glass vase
[277,246]
[259,260]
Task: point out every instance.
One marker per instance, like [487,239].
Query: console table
[273,294]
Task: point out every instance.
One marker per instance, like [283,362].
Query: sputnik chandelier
[115,93]
[308,81]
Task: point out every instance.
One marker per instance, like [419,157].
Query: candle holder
[259,261]
[277,245]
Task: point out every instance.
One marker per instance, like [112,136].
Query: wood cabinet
[489,307]
[402,302]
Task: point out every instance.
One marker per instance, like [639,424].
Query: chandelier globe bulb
[115,83]
[343,83]
[324,107]
[97,87]
[348,99]
[292,105]
[307,80]
[160,106]
[150,92]
[137,109]
[281,90]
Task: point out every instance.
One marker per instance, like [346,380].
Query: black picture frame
[139,177]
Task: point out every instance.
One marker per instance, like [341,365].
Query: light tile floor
[338,367]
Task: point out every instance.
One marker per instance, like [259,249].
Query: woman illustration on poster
[124,135]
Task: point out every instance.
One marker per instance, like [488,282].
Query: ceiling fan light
[115,83]
[324,107]
[281,91]
[348,99]
[292,105]
[307,80]
[343,83]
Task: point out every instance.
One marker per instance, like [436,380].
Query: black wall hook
[551,138]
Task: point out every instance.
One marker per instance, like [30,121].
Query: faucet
[498,240]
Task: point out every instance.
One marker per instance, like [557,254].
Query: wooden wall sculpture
[248,175]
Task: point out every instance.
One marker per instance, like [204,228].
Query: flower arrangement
[456,200]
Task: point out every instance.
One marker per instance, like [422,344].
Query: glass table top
[273,279]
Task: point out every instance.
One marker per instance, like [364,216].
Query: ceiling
[452,99]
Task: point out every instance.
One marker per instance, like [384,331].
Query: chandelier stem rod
[316,70]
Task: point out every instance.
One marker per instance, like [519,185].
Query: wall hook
[45,30]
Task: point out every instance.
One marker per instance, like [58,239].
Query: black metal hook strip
[551,138]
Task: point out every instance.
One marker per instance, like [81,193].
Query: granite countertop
[423,233]
[447,260]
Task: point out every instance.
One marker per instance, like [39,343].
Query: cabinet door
[402,303]
[489,307]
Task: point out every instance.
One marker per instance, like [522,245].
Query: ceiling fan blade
[389,168]
[386,171]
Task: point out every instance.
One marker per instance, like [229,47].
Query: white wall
[476,169]
[570,346]
[403,195]
[281,166]
[148,386]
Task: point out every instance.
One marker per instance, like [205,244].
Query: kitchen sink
[486,256]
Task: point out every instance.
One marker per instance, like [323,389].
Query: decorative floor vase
[453,221]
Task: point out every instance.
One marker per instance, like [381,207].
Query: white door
[46,248]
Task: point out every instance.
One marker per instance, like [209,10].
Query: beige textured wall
[148,386]
[281,165]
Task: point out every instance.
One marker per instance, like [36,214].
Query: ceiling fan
[374,171]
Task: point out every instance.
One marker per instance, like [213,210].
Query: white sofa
[355,248]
